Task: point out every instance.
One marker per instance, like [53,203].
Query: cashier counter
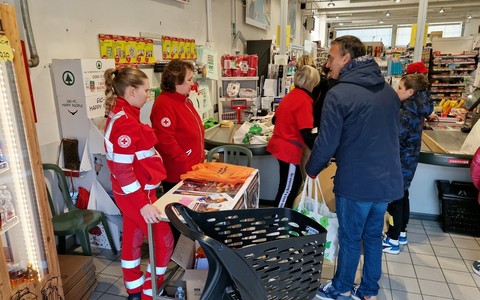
[440,159]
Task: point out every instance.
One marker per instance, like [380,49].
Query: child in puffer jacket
[416,106]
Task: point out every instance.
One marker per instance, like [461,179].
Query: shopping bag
[315,208]
[326,182]
[472,141]
[255,132]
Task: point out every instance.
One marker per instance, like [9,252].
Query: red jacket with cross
[179,132]
[135,165]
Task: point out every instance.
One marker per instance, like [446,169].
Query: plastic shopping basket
[255,254]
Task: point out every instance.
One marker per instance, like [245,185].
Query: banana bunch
[447,104]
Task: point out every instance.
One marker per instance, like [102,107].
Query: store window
[378,34]
[403,36]
[448,29]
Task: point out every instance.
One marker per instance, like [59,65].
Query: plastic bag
[472,142]
[253,133]
[218,172]
[313,207]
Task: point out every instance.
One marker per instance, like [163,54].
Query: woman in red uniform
[293,131]
[176,123]
[136,171]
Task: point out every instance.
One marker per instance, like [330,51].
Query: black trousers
[289,184]
[400,212]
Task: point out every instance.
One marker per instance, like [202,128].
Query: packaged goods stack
[78,276]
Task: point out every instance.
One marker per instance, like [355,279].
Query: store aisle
[433,266]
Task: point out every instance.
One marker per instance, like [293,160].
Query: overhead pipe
[421,21]
[34,59]
[236,35]
[209,21]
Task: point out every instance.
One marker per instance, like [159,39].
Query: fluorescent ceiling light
[331,4]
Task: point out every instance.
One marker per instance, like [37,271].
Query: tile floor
[433,266]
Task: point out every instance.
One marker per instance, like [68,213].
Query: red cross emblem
[124,141]
[166,122]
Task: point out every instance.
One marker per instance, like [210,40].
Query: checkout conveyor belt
[441,146]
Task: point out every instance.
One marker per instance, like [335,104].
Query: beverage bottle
[180,294]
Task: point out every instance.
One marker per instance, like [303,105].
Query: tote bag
[311,206]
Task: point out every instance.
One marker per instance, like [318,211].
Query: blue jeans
[359,222]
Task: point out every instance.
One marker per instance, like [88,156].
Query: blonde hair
[117,82]
[305,60]
[306,77]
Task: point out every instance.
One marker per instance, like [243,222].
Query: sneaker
[136,296]
[357,295]
[402,239]
[476,267]
[328,292]
[390,246]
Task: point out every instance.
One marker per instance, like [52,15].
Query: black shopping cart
[255,254]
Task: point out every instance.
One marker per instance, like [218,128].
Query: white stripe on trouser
[148,292]
[158,270]
[130,285]
[130,264]
[288,186]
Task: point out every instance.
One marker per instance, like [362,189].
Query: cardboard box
[195,282]
[73,268]
[184,255]
[90,291]
[81,288]
[184,252]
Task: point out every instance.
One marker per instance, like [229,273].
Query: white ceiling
[367,13]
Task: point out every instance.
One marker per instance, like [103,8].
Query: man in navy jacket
[360,129]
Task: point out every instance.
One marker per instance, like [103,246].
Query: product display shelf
[447,75]
[29,266]
[231,104]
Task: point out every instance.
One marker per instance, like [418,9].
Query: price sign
[6,53]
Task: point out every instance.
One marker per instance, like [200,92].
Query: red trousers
[134,232]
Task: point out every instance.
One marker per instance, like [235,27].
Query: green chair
[74,221]
[231,154]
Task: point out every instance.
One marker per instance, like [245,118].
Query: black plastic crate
[256,254]
[459,207]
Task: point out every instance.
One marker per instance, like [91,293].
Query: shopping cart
[255,254]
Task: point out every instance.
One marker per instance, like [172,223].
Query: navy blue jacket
[413,111]
[360,128]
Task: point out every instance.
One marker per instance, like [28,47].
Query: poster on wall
[258,13]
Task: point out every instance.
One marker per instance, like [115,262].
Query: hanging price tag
[6,53]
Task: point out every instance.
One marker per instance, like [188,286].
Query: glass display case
[29,268]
